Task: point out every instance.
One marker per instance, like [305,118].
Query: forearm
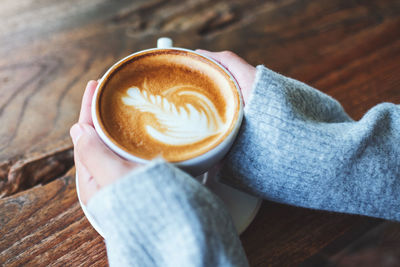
[299,147]
[160,216]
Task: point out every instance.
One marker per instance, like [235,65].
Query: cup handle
[164,42]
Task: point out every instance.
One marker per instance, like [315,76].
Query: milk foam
[183,124]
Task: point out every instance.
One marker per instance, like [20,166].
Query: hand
[243,72]
[97,166]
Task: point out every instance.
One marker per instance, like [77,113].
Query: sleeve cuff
[160,216]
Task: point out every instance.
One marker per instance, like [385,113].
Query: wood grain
[377,247]
[50,49]
[50,60]
[45,226]
[287,236]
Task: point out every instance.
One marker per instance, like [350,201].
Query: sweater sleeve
[298,146]
[160,216]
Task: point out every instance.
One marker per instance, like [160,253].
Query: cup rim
[183,163]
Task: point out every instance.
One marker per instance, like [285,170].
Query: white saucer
[242,207]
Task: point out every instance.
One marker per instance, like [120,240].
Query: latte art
[179,125]
[167,103]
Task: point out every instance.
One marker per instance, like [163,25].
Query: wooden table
[50,49]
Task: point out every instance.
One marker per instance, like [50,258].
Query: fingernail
[76,132]
[91,82]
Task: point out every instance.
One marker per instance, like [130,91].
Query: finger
[102,164]
[88,187]
[228,59]
[243,72]
[85,114]
[214,55]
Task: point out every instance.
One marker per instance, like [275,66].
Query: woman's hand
[243,72]
[97,166]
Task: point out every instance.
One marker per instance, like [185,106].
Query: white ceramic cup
[195,166]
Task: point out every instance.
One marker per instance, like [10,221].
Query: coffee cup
[168,102]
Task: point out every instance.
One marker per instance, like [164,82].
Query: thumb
[243,72]
[101,163]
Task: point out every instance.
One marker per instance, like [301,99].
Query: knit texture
[298,146]
[160,216]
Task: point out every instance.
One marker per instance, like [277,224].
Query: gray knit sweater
[296,146]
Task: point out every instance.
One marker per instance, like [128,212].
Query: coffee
[169,103]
